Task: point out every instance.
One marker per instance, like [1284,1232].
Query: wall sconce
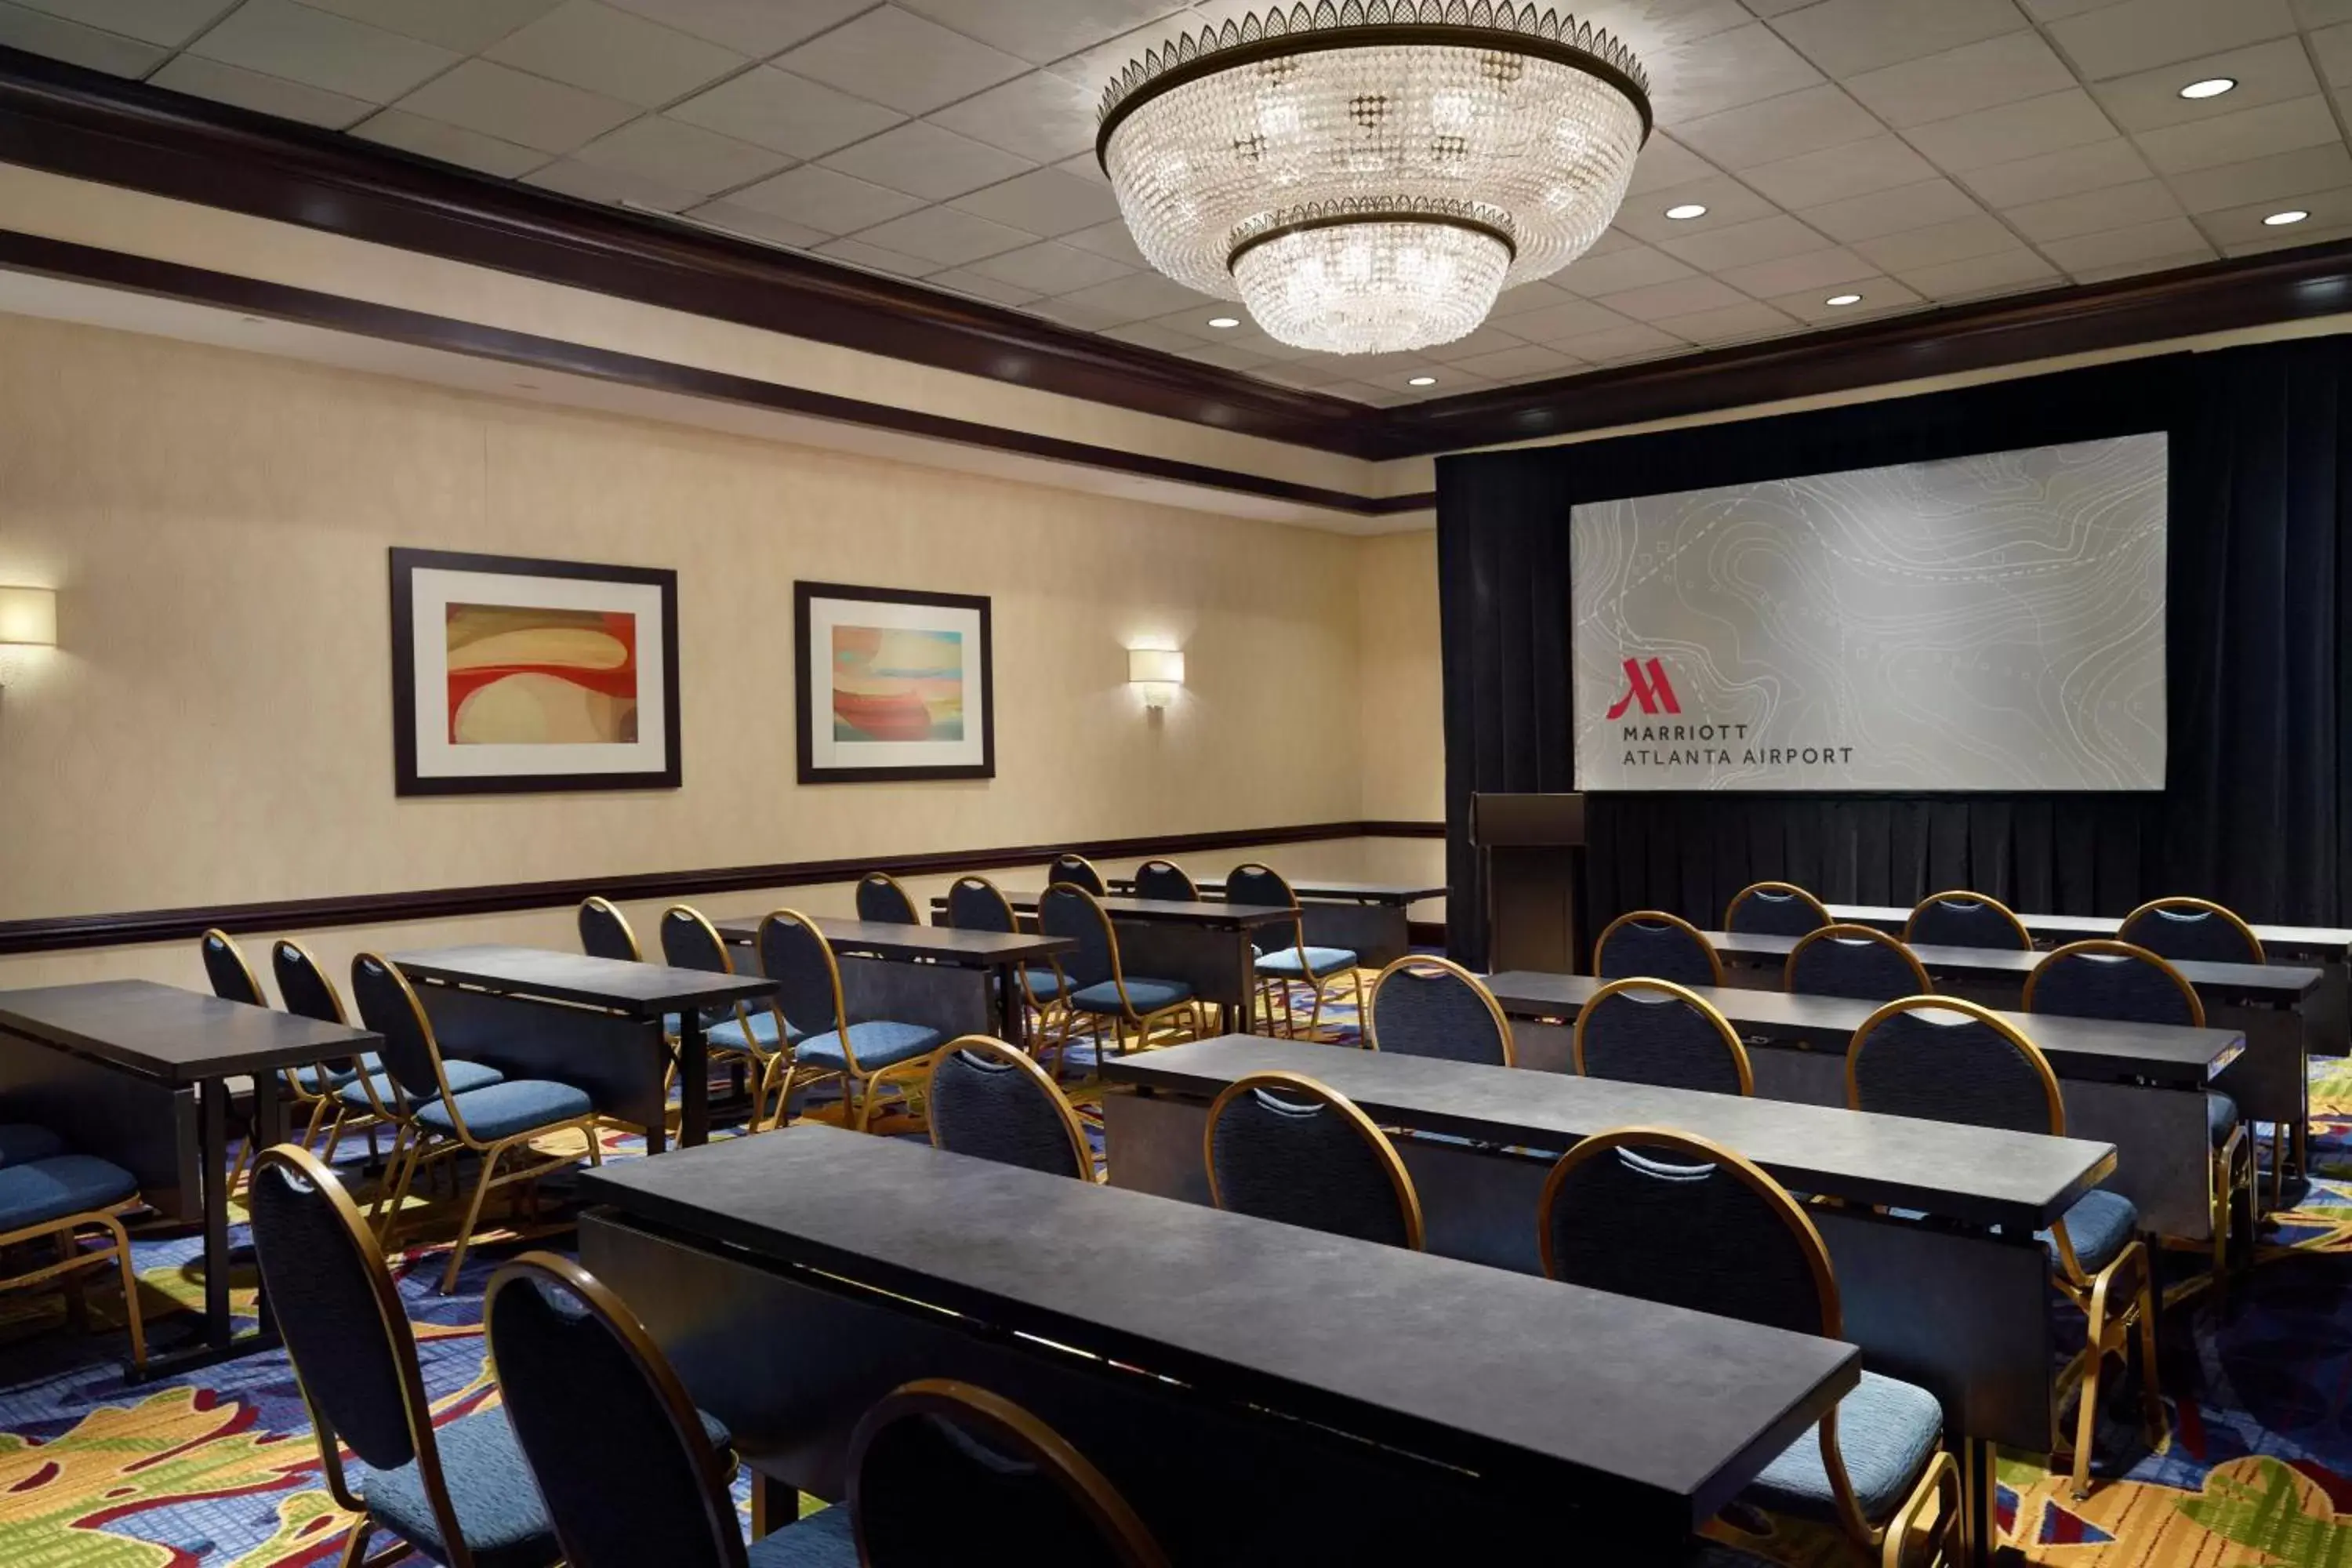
[28,618]
[1157,671]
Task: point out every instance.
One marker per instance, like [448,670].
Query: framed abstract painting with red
[511,675]
[894,684]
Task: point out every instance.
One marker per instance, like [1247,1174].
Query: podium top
[1530,820]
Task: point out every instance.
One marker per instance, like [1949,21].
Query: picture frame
[511,675]
[893,684]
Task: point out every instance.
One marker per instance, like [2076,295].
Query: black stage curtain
[2258,808]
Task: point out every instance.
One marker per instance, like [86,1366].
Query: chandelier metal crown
[1369,177]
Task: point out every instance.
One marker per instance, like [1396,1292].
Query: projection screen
[1986,623]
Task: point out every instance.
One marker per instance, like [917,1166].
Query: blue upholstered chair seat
[2100,1225]
[1297,962]
[2221,1117]
[321,1078]
[490,1489]
[21,1143]
[826,1539]
[463,1077]
[41,1190]
[761,1041]
[1043,984]
[503,1110]
[1887,1431]
[879,1044]
[1148,996]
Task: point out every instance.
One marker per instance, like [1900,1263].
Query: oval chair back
[629,1474]
[975,903]
[1166,880]
[797,957]
[1943,1059]
[1774,909]
[1651,944]
[2103,979]
[993,1102]
[604,932]
[389,1005]
[2192,930]
[305,986]
[882,901]
[1282,1146]
[1428,1006]
[689,941]
[1260,885]
[1076,870]
[1070,911]
[1856,962]
[1963,919]
[939,1464]
[225,966]
[1656,1032]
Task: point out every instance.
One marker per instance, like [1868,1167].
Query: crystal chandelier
[1369,177]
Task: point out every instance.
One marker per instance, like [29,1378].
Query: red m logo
[1650,687]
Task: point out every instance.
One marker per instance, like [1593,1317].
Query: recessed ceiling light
[2280,220]
[1423,381]
[1687,211]
[1223,321]
[2211,87]
[1842,300]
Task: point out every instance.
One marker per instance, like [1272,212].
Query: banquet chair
[604,932]
[1073,869]
[2192,931]
[1651,944]
[975,903]
[1963,918]
[1855,961]
[1426,1006]
[1096,981]
[755,1034]
[49,1192]
[868,1057]
[881,901]
[311,994]
[990,1102]
[1318,969]
[1166,880]
[1283,1146]
[1774,909]
[1656,1032]
[311,1086]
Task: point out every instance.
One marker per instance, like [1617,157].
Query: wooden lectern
[1531,849]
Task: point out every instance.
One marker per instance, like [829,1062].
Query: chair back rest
[628,1474]
[1656,1032]
[1076,871]
[987,1100]
[1669,1217]
[1963,919]
[1067,909]
[2103,979]
[975,903]
[604,931]
[689,941]
[1282,1146]
[1261,885]
[1774,909]
[937,1465]
[225,965]
[1166,880]
[1425,1006]
[882,901]
[305,986]
[1943,1059]
[2194,931]
[797,957]
[1651,944]
[389,1005]
[1858,961]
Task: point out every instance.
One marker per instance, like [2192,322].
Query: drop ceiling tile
[685,156]
[2039,125]
[296,44]
[39,33]
[1688,297]
[923,160]
[1307,376]
[1537,296]
[2274,72]
[2052,174]
[774,109]
[1050,269]
[1812,269]
[1880,297]
[1152,336]
[1491,338]
[1731,324]
[1763,240]
[1630,267]
[2165,237]
[1518,363]
[517,107]
[1881,163]
[2264,179]
[593,183]
[1726,201]
[2146,264]
[167,22]
[1192,324]
[2320,12]
[1805,120]
[1138,296]
[964,281]
[2238,138]
[449,143]
[2054,10]
[2117,207]
[616,53]
[2282,239]
[1043,201]
[1225,356]
[2243,225]
[1041,116]
[752,224]
[1890,212]
[1726,69]
[873,258]
[1632,341]
[754,27]
[263,94]
[1069,313]
[2006,69]
[1665,161]
[1954,241]
[2332,48]
[1846,37]
[1042,32]
[2118,41]
[943,234]
[464,25]
[2002,272]
[1111,239]
[897,58]
[1083,167]
[1569,318]
[822,199]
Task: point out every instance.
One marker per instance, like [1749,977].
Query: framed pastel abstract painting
[511,675]
[894,684]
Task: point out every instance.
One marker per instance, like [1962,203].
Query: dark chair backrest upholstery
[1774,909]
[1433,1007]
[1966,920]
[1650,944]
[621,1457]
[988,1101]
[305,986]
[604,931]
[1949,1060]
[2192,931]
[391,1008]
[1165,880]
[232,978]
[975,903]
[1856,962]
[690,941]
[1654,1032]
[1261,885]
[1067,909]
[1283,1147]
[1077,871]
[796,956]
[2112,979]
[882,901]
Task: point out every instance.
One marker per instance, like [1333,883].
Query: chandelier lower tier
[1369,178]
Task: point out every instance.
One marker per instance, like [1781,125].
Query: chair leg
[398,1196]
[335,1134]
[317,1120]
[355,1544]
[391,1170]
[473,1217]
[2154,1425]
[131,1317]
[2087,1417]
[1314,1008]
[69,1283]
[1356,977]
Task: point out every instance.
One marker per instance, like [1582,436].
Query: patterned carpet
[219,1469]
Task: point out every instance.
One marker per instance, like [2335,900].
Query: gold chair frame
[1683,993]
[1052,1014]
[71,1259]
[1834,933]
[1142,1023]
[1192,888]
[772,1071]
[989,1045]
[1067,859]
[1299,1084]
[1969,896]
[896,886]
[1740,897]
[1269,988]
[868,1083]
[289,1078]
[621,922]
[1659,917]
[2207,906]
[346,1119]
[1413,961]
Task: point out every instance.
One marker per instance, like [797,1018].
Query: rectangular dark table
[1367,918]
[2140,1087]
[1309,1383]
[112,1066]
[957,982]
[1205,943]
[592,1023]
